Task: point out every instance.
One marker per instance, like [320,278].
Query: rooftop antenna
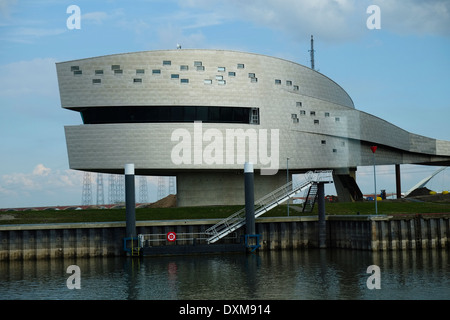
[312,52]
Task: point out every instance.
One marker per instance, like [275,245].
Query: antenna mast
[86,195]
[312,52]
[100,195]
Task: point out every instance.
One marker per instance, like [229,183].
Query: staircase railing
[266,203]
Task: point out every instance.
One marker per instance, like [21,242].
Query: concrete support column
[249,199]
[398,184]
[130,201]
[321,209]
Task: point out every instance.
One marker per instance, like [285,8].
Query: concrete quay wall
[83,240]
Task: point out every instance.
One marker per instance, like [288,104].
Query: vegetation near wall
[386,207]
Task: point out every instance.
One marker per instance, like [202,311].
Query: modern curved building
[200,114]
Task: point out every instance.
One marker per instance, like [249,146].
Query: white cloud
[45,186]
[97,17]
[21,180]
[40,178]
[187,19]
[37,77]
[100,17]
[41,170]
[5,7]
[41,186]
[171,35]
[329,20]
[29,32]
[416,16]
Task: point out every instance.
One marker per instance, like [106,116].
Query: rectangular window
[324,142]
[295,120]
[140,71]
[220,69]
[231,74]
[293,115]
[288,82]
[207,81]
[277,81]
[200,68]
[174,76]
[78,72]
[214,114]
[96,81]
[239,115]
[74,68]
[312,113]
[176,113]
[118,71]
[295,88]
[184,80]
[334,150]
[226,114]
[240,66]
[115,66]
[197,64]
[98,72]
[251,75]
[298,104]
[202,113]
[189,113]
[167,63]
[156,71]
[316,121]
[184,68]
[253,80]
[146,114]
[337,119]
[254,116]
[164,113]
[302,112]
[327,114]
[137,80]
[219,77]
[221,82]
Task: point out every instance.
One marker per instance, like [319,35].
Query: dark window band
[148,114]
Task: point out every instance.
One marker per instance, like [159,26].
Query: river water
[281,275]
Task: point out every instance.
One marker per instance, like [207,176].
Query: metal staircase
[266,203]
[310,198]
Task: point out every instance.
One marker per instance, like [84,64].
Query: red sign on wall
[171,236]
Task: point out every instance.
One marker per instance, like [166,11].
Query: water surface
[286,275]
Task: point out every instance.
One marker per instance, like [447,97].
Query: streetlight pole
[374,148]
[287,178]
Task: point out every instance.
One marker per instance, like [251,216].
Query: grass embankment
[104,215]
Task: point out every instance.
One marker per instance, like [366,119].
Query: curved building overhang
[133,103]
[150,77]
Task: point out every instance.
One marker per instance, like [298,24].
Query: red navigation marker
[373,148]
[171,236]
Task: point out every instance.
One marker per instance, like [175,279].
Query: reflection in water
[303,274]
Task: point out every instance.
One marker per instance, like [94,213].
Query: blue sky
[399,72]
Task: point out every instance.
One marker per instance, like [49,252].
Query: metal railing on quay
[146,240]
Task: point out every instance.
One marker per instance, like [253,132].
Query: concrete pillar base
[222,188]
